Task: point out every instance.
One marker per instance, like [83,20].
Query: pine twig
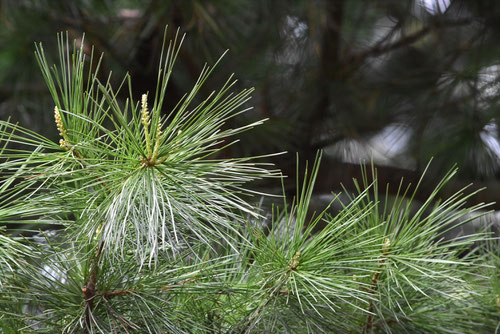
[89,290]
[373,287]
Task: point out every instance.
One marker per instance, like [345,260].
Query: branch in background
[382,48]
[329,59]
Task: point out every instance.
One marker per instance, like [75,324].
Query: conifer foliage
[158,234]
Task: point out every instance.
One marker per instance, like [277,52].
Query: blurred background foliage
[396,81]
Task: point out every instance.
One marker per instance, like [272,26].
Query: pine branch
[383,48]
[89,290]
[374,283]
[156,235]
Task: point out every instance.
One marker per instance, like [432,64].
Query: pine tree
[156,233]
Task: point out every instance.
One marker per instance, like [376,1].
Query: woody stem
[89,290]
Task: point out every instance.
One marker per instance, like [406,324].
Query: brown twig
[89,290]
[382,48]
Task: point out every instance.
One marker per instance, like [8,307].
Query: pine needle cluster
[156,234]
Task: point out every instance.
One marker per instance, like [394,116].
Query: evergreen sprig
[155,233]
